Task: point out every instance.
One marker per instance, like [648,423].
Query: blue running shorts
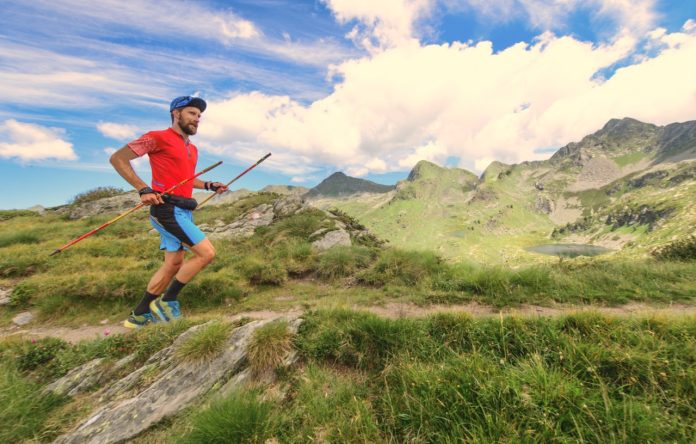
[175,226]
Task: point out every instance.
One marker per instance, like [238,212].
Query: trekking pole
[231,181]
[137,207]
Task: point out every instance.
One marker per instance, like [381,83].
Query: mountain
[427,180]
[338,184]
[629,186]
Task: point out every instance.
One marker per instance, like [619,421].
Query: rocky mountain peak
[340,184]
[619,126]
[617,136]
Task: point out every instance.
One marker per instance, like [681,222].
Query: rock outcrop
[259,216]
[332,239]
[128,411]
[107,205]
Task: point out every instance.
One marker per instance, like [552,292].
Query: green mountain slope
[629,187]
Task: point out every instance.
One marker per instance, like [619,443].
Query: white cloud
[174,19]
[118,131]
[384,23]
[26,141]
[439,101]
[634,16]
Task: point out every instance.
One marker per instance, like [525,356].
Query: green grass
[582,378]
[578,378]
[630,158]
[23,408]
[205,343]
[49,358]
[240,418]
[104,275]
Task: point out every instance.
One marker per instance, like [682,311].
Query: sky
[360,86]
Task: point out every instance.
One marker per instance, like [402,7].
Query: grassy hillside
[104,275]
[579,377]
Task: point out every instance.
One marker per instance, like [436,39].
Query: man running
[172,159]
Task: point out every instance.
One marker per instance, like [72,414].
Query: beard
[189,129]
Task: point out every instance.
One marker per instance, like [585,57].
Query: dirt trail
[391,310]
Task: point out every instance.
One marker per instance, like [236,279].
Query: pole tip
[55,252]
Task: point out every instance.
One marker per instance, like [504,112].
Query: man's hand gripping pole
[231,181]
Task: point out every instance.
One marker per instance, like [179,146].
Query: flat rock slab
[5,296]
[23,318]
[179,384]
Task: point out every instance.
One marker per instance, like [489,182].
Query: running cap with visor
[184,101]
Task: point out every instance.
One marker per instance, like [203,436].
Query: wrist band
[146,190]
[207,185]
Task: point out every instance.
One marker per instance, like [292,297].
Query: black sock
[144,305]
[173,291]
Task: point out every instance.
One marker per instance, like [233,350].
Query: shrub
[240,418]
[260,272]
[210,290]
[96,194]
[680,250]
[20,237]
[11,214]
[39,353]
[296,255]
[268,346]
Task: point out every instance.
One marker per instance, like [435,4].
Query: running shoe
[139,321]
[166,310]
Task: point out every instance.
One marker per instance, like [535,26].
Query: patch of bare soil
[69,334]
[395,310]
[566,211]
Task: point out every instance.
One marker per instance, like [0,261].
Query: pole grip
[232,181]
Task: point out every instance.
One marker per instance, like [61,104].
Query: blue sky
[364,87]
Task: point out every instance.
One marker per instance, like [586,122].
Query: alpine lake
[569,250]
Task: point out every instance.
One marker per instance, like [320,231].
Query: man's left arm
[218,187]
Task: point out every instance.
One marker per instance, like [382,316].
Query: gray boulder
[332,239]
[23,318]
[5,296]
[288,206]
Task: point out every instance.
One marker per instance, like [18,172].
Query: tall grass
[268,346]
[339,262]
[23,409]
[449,378]
[205,343]
[240,418]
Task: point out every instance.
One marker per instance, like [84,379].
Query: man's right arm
[121,163]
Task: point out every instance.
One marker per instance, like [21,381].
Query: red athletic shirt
[172,159]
